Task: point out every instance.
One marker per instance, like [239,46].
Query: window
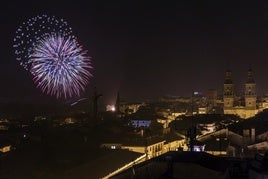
[113,147]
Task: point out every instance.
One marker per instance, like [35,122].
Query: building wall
[130,108]
[202,110]
[176,114]
[5,149]
[139,149]
[217,152]
[111,145]
[242,112]
[157,149]
[153,150]
[250,102]
[228,102]
[173,146]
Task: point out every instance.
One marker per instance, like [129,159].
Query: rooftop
[101,166]
[179,165]
[259,122]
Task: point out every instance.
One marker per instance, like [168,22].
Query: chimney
[253,135]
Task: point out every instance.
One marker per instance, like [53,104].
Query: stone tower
[228,91]
[250,91]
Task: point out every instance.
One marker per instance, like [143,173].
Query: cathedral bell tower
[228,91]
[250,91]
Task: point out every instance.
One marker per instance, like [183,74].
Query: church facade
[244,106]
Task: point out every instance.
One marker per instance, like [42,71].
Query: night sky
[147,49]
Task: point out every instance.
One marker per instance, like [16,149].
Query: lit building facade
[248,106]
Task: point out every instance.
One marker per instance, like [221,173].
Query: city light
[110,108]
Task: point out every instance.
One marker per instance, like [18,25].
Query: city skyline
[145,49]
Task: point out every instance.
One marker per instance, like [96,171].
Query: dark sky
[148,48]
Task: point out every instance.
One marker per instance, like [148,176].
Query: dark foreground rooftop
[99,167]
[185,165]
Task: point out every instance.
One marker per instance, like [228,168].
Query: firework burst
[30,32]
[46,46]
[60,67]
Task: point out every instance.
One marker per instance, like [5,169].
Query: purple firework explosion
[31,31]
[60,66]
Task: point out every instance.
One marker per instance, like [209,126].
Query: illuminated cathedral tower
[228,91]
[250,108]
[250,91]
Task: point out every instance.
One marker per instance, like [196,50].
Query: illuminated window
[113,147]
